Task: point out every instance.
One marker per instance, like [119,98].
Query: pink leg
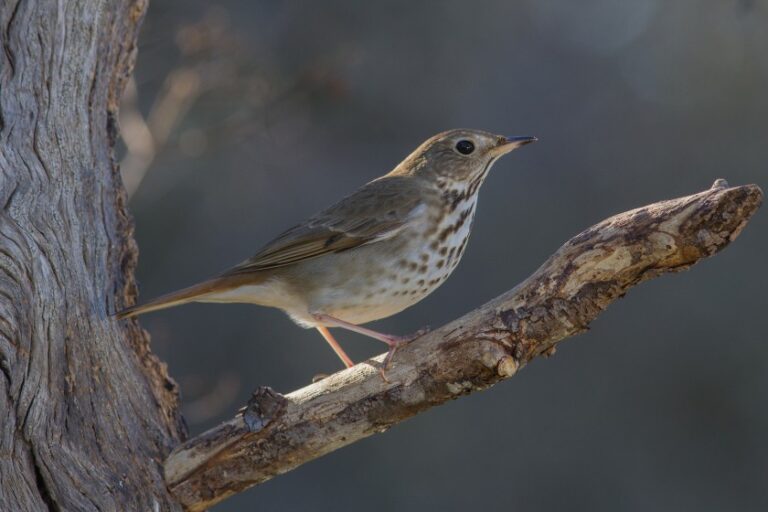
[394,342]
[335,346]
[335,322]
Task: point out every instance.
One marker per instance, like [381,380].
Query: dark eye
[465,147]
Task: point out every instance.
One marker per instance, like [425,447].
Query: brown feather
[374,212]
[377,211]
[190,294]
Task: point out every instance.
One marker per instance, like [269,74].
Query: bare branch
[143,137]
[215,65]
[278,433]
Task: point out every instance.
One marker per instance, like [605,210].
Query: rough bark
[88,414]
[277,433]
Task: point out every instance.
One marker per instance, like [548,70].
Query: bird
[372,254]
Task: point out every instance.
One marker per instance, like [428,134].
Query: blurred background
[245,117]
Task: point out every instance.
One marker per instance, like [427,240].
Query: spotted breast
[429,252]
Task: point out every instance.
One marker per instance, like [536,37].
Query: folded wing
[377,211]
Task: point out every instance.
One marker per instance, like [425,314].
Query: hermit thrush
[374,253]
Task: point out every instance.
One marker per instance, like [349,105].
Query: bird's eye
[465,147]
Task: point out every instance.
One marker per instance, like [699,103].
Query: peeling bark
[88,413]
[276,433]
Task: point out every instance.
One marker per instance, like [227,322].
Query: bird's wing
[375,212]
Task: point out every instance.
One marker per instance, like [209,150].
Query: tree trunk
[88,412]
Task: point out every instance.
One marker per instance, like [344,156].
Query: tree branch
[277,433]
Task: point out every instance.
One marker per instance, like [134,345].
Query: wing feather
[375,212]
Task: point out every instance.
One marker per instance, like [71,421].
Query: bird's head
[458,156]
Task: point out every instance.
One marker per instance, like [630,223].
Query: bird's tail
[185,296]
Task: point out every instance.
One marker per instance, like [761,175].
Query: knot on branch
[264,406]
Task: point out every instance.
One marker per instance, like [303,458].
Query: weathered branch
[589,272]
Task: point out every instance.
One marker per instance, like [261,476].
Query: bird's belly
[369,282]
[383,279]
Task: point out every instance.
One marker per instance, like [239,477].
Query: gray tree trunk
[88,413]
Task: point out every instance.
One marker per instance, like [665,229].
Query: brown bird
[374,253]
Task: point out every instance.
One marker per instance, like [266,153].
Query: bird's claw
[396,343]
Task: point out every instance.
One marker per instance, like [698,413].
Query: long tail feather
[185,296]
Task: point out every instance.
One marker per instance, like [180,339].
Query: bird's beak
[511,143]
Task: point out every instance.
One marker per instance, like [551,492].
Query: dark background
[252,115]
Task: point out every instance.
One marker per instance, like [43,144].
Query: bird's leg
[392,341]
[335,345]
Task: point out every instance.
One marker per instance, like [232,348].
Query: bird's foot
[394,343]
